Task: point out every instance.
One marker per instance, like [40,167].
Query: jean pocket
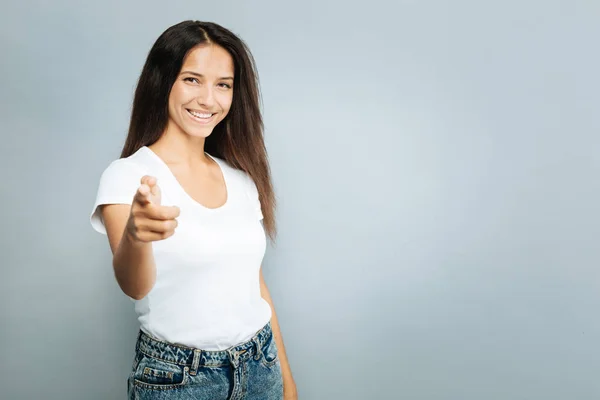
[153,373]
[269,351]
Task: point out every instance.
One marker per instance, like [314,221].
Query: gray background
[437,170]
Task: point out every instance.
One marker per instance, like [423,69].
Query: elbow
[136,293]
[133,286]
[136,290]
[137,296]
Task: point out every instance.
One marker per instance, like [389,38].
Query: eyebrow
[202,76]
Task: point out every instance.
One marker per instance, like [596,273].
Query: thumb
[148,180]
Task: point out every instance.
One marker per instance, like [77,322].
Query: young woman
[187,210]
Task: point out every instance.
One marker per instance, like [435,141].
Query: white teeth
[198,115]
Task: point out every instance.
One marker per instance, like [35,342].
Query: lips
[201,117]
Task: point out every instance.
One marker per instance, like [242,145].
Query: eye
[226,85]
[190,79]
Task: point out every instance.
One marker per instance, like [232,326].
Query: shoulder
[121,178]
[135,164]
[121,166]
[119,174]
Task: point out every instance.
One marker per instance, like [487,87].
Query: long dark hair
[238,139]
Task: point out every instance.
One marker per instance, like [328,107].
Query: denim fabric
[248,371]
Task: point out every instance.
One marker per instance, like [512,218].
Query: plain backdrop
[436,165]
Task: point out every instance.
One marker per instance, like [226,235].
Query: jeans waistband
[195,358]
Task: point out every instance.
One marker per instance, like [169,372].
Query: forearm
[134,267]
[289,384]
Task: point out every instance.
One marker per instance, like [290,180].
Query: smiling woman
[187,208]
[207,74]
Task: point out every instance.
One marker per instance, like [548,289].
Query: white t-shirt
[207,290]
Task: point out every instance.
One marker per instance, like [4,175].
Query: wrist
[289,386]
[290,393]
[131,240]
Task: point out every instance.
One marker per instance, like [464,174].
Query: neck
[177,147]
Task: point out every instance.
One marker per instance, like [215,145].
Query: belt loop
[258,348]
[195,362]
[233,357]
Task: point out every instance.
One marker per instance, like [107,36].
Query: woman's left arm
[289,386]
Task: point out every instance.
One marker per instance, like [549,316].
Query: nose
[205,96]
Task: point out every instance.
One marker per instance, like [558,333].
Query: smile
[200,117]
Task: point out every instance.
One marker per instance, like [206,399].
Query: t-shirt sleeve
[254,198]
[118,184]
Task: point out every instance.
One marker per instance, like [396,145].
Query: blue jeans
[250,370]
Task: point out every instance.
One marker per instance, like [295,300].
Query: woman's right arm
[131,229]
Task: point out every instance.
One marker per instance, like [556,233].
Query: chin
[194,130]
[199,133]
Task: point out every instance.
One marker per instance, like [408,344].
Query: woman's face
[202,93]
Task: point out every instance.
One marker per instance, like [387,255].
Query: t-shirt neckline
[180,188]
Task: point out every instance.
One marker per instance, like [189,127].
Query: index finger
[142,195]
